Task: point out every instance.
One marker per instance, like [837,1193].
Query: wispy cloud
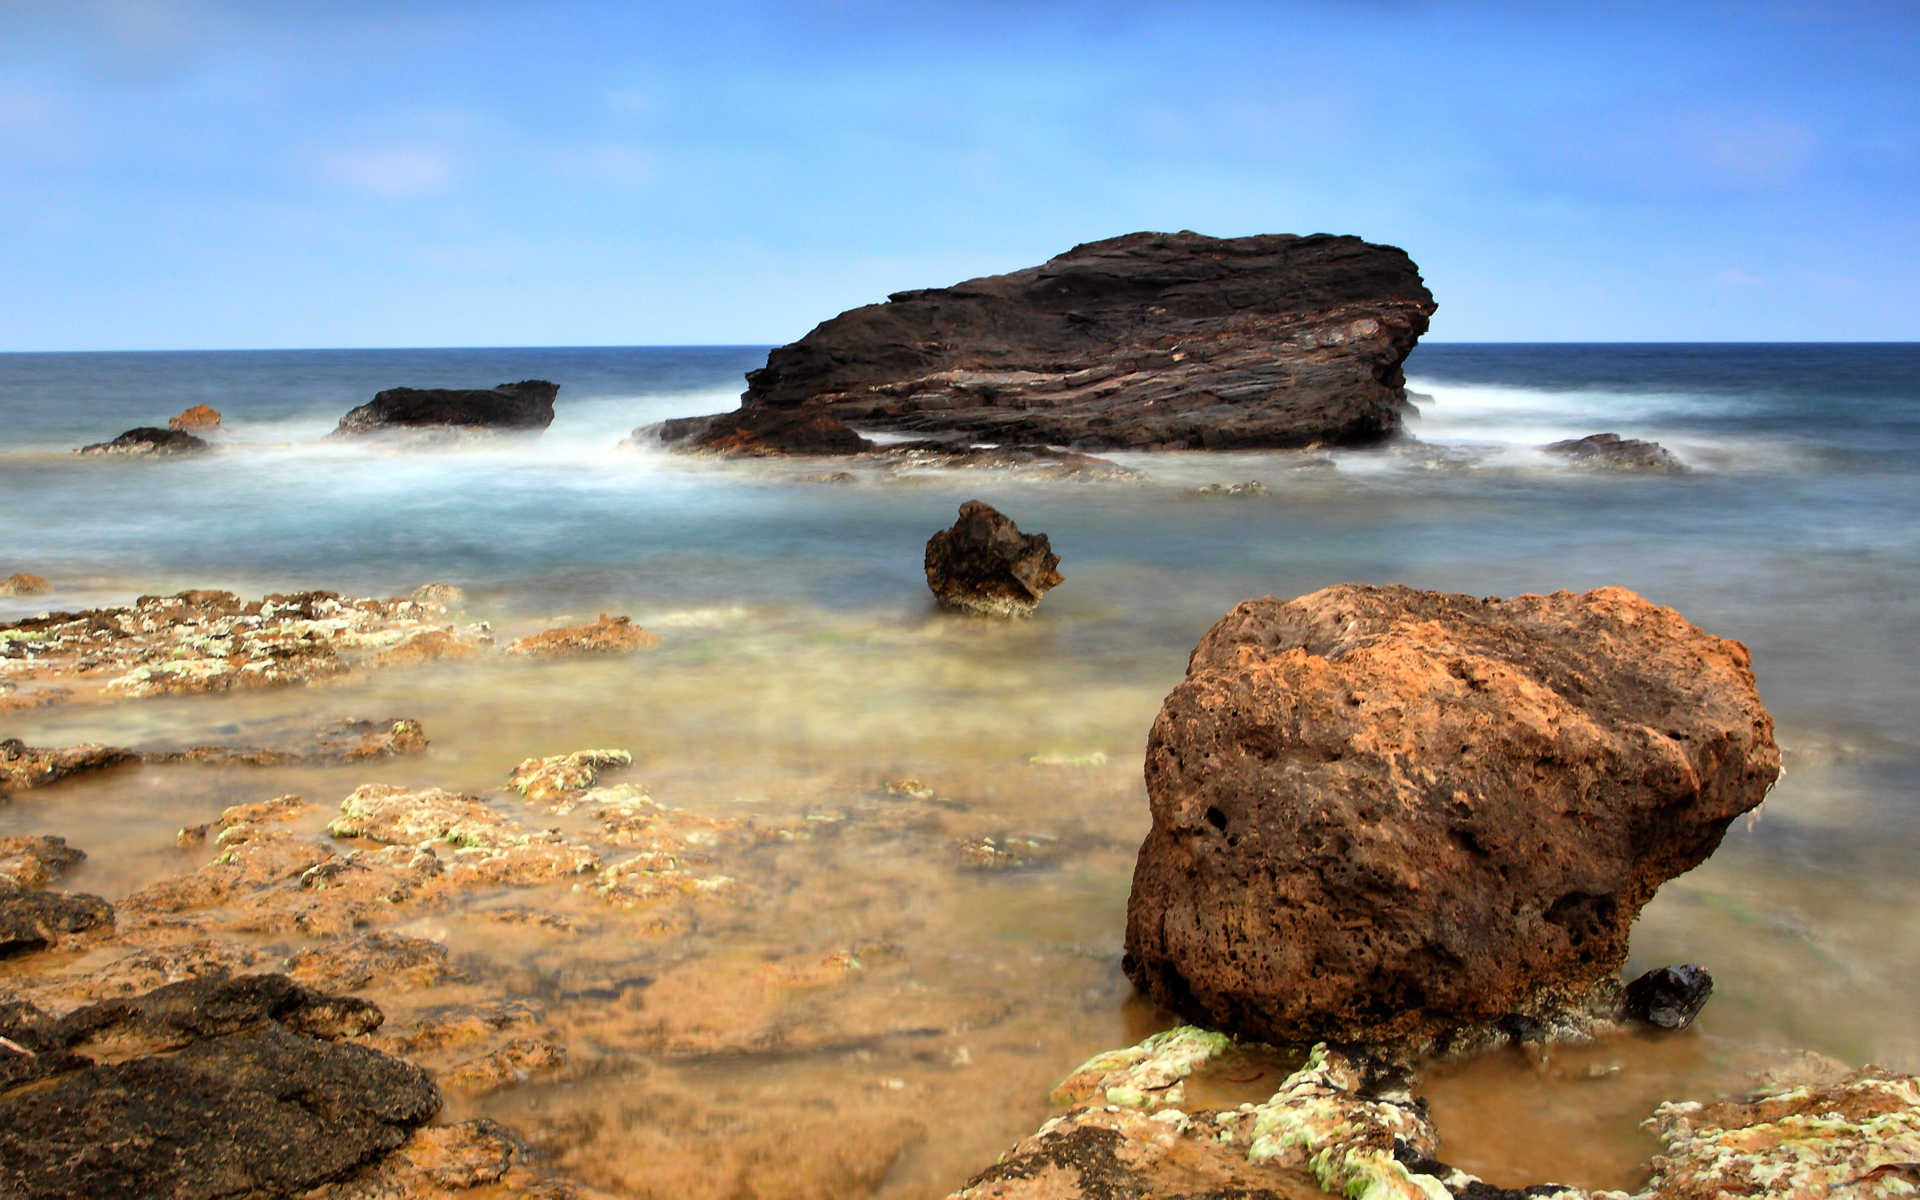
[400,172]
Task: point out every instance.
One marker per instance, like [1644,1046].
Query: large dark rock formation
[1611,452]
[1382,814]
[984,565]
[1147,341]
[510,407]
[147,441]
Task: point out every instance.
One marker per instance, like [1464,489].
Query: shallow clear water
[803,667]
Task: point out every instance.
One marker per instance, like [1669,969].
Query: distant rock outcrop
[984,565]
[1384,814]
[511,407]
[1611,452]
[1147,341]
[146,440]
[200,416]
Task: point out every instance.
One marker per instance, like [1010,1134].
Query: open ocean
[801,644]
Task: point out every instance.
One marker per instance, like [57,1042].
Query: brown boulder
[608,635]
[984,565]
[1381,813]
[20,583]
[200,416]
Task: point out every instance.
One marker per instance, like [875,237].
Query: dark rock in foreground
[1384,814]
[986,566]
[1611,452]
[1669,998]
[240,1087]
[158,443]
[1147,341]
[513,407]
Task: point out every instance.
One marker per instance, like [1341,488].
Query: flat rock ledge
[1385,815]
[148,442]
[1611,452]
[524,407]
[1150,341]
[1350,1125]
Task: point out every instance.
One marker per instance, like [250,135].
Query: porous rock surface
[607,635]
[1145,341]
[523,406]
[984,565]
[147,441]
[1383,814]
[23,583]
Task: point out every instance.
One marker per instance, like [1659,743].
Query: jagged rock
[445,595]
[23,767]
[27,863]
[1251,488]
[523,406]
[608,635]
[208,641]
[1669,997]
[22,584]
[441,1162]
[200,416]
[148,441]
[32,921]
[489,848]
[986,566]
[1146,341]
[1611,452]
[514,1062]
[1382,814]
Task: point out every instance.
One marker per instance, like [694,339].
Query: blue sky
[211,175]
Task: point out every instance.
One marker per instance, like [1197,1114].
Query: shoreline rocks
[149,442]
[1145,341]
[1383,815]
[521,407]
[20,583]
[985,566]
[200,416]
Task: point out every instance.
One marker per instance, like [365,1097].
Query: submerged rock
[338,743]
[545,780]
[608,635]
[151,442]
[1147,341]
[1252,488]
[517,407]
[984,565]
[22,584]
[1611,452]
[200,416]
[1381,814]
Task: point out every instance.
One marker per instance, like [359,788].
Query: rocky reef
[1382,814]
[984,565]
[521,407]
[1146,341]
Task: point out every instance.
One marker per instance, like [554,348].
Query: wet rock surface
[984,565]
[207,641]
[607,635]
[32,921]
[148,442]
[1145,341]
[1382,814]
[336,744]
[517,407]
[1668,998]
[23,767]
[1611,452]
[758,433]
